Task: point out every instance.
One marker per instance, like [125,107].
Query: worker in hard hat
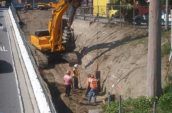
[88,84]
[93,89]
[75,76]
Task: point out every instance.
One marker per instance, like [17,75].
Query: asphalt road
[9,93]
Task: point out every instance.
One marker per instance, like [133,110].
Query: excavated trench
[56,89]
[118,52]
[72,104]
[60,106]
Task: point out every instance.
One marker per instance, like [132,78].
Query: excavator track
[52,36]
[68,39]
[43,59]
[69,44]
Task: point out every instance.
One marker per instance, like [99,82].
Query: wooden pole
[120,13]
[171,30]
[154,50]
[134,4]
[171,40]
[166,16]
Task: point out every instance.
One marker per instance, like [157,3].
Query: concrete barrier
[37,89]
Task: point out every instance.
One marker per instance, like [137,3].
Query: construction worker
[68,82]
[88,84]
[75,76]
[93,88]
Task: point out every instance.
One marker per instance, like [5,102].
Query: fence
[114,13]
[134,15]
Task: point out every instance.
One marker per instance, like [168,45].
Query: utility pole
[154,50]
[171,41]
[166,16]
[33,4]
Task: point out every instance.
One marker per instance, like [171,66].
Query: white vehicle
[163,19]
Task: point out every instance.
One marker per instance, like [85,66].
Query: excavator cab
[59,38]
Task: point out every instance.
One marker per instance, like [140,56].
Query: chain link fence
[126,14]
[135,15]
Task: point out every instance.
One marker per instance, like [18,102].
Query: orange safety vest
[93,83]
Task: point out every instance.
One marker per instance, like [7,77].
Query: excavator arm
[57,40]
[55,26]
[51,40]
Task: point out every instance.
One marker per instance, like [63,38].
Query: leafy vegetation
[165,103]
[139,105]
[111,108]
[168,88]
[142,105]
[166,49]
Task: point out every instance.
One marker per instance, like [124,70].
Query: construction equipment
[28,6]
[59,38]
[43,6]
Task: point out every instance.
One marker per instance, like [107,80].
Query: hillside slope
[119,53]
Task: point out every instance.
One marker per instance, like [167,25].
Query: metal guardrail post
[154,106]
[109,98]
[171,38]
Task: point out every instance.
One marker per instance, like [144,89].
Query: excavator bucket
[71,58]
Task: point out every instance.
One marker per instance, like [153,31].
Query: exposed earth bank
[119,53]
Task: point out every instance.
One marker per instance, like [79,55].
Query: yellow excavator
[59,38]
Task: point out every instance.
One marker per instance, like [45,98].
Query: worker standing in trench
[93,89]
[88,84]
[75,77]
[68,83]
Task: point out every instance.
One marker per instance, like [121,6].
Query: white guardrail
[37,89]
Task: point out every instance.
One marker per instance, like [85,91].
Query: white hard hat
[76,65]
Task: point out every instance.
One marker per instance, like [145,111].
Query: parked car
[43,6]
[18,6]
[144,19]
[163,18]
[141,19]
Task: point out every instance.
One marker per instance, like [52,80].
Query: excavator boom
[58,38]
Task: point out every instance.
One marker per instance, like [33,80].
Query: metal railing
[127,14]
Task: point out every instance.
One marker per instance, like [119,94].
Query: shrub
[165,102]
[141,105]
[112,108]
[166,49]
[168,88]
[138,105]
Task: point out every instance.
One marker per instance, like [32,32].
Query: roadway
[9,95]
[16,94]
